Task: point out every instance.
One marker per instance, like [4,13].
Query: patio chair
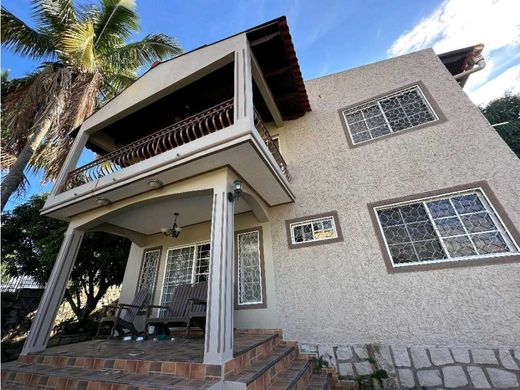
[187,308]
[124,315]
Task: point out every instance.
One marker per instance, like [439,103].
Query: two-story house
[370,215]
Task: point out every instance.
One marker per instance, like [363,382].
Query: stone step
[16,376]
[297,376]
[262,373]
[320,382]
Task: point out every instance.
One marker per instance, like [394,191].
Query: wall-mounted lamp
[103,201]
[155,184]
[175,229]
[237,191]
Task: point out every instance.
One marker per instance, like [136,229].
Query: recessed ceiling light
[103,201]
[154,183]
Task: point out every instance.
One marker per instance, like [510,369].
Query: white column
[218,346]
[53,295]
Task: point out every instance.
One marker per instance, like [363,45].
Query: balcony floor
[178,350]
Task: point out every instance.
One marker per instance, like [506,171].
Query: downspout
[475,63]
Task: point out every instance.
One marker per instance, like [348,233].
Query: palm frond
[116,19]
[138,54]
[114,83]
[54,15]
[77,43]
[22,39]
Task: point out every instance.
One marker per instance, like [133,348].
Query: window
[249,269]
[445,228]
[189,264]
[405,109]
[314,230]
[149,270]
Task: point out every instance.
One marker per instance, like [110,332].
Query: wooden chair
[124,315]
[187,307]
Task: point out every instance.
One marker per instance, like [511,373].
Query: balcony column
[53,295]
[243,99]
[218,347]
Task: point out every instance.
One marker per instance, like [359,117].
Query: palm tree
[86,60]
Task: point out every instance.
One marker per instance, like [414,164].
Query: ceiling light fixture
[155,184]
[175,229]
[103,201]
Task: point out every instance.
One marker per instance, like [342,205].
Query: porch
[261,360]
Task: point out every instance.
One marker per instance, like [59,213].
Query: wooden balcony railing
[192,128]
[266,136]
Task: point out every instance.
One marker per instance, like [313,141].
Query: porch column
[53,295]
[219,322]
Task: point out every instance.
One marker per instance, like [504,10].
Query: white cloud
[460,23]
[506,81]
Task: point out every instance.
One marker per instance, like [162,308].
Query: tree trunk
[15,176]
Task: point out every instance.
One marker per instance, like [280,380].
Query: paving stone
[346,369]
[363,368]
[461,355]
[328,354]
[429,377]
[361,351]
[454,376]
[502,378]
[401,357]
[507,360]
[484,356]
[478,378]
[384,358]
[406,377]
[420,357]
[440,356]
[344,353]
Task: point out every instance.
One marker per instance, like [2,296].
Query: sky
[334,35]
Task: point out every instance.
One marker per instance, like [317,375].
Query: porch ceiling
[151,217]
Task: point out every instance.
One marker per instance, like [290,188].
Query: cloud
[460,23]
[508,80]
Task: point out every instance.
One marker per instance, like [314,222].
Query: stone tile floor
[178,350]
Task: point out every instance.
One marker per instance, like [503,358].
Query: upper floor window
[450,227]
[313,230]
[405,109]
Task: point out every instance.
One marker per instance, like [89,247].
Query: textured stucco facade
[341,293]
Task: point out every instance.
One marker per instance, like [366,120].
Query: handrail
[209,121]
[203,123]
[271,145]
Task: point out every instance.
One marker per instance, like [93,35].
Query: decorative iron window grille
[313,230]
[189,264]
[149,270]
[450,227]
[249,269]
[398,111]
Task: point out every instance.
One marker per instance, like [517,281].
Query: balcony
[188,130]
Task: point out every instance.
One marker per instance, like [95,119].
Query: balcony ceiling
[151,217]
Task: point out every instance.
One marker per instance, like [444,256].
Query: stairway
[276,367]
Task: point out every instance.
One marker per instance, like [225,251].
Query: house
[371,216]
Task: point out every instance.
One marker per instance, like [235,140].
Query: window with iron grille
[458,226]
[250,290]
[398,111]
[317,229]
[149,270]
[189,264]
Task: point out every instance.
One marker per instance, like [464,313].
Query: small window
[446,228]
[402,110]
[313,230]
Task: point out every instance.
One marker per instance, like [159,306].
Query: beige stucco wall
[252,318]
[341,293]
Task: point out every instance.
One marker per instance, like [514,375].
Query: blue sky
[332,35]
